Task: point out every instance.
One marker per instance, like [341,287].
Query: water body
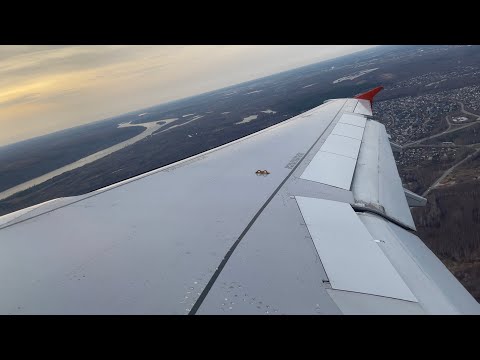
[354,76]
[247,119]
[178,125]
[150,128]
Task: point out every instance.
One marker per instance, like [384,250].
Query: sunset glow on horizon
[49,88]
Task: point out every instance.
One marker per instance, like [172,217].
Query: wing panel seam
[229,253]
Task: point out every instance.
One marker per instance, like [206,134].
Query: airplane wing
[308,216]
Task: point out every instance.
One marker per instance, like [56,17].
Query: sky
[48,88]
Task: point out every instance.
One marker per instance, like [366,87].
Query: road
[448,122]
[462,109]
[439,134]
[435,146]
[447,172]
[449,130]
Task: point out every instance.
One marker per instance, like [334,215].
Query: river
[150,128]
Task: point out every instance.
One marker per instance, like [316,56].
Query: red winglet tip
[369,95]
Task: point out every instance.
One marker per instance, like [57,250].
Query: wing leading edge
[207,235]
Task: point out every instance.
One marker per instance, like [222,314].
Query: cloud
[48,88]
[41,61]
[24,99]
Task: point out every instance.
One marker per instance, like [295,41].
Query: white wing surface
[327,231]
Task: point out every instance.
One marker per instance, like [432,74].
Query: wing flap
[351,131]
[376,182]
[352,119]
[342,145]
[351,257]
[331,169]
[334,163]
[434,286]
[352,303]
